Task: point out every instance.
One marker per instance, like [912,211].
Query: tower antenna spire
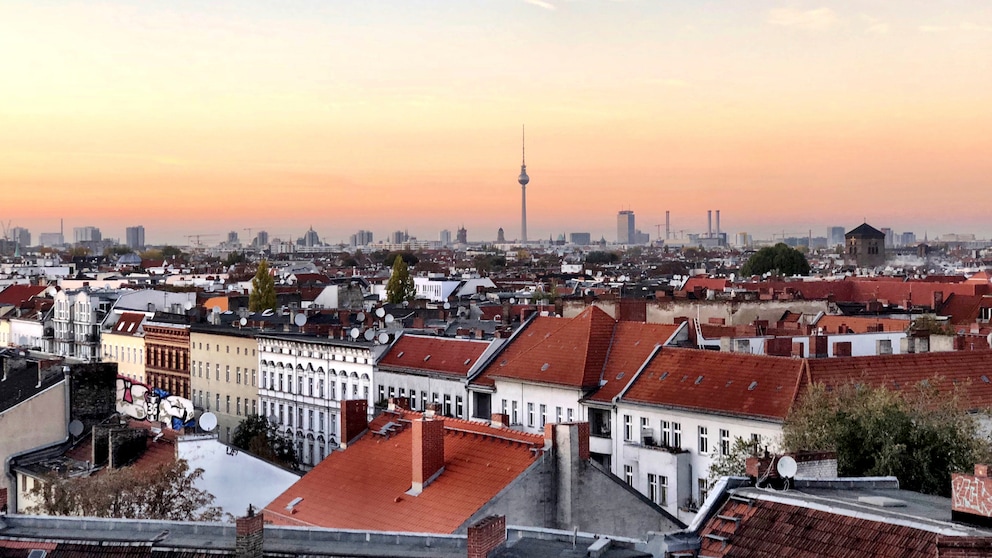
[523,144]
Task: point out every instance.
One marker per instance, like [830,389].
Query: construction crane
[196,237]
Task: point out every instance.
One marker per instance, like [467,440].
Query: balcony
[67,337]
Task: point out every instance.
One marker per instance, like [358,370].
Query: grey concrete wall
[39,421]
[735,313]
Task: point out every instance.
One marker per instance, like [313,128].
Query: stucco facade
[223,364]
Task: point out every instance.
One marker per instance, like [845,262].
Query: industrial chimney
[709,223]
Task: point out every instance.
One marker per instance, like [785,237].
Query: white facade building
[302,381]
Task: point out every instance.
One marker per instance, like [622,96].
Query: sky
[193,117]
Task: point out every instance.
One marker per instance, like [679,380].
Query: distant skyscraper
[135,237]
[86,234]
[523,179]
[908,239]
[232,237]
[835,235]
[49,240]
[625,227]
[309,239]
[444,237]
[581,239]
[399,237]
[261,239]
[361,238]
[20,236]
[462,237]
[500,236]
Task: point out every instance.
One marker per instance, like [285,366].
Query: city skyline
[195,118]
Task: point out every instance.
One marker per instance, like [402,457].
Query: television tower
[523,179]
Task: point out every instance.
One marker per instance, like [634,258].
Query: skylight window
[401,354]
[753,385]
[620,375]
[426,358]
[292,503]
[545,366]
[699,380]
[502,362]
[985,378]
[468,360]
[663,376]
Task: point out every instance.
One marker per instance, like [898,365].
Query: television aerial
[243,322]
[447,306]
[208,421]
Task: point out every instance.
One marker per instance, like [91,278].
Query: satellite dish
[273,419]
[215,309]
[786,467]
[447,306]
[243,321]
[188,305]
[208,421]
[380,312]
[383,338]
[355,333]
[300,320]
[389,318]
[369,335]
[75,428]
[360,317]
[513,300]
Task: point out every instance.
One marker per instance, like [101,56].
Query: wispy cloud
[935,28]
[975,27]
[542,4]
[878,28]
[817,19]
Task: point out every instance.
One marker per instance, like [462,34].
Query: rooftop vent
[292,503]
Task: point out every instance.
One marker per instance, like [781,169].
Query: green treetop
[263,289]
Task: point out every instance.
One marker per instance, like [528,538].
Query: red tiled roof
[962,309]
[435,354]
[965,368]
[128,324]
[311,278]
[777,529]
[718,382]
[632,345]
[858,324]
[706,283]
[364,486]
[563,351]
[16,294]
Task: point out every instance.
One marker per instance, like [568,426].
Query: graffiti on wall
[139,401]
[971,494]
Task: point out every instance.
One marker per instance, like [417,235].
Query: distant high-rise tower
[135,237]
[523,179]
[500,236]
[444,237]
[461,237]
[625,227]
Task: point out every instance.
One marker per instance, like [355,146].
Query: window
[299,385]
[254,408]
[238,408]
[310,381]
[666,433]
[628,474]
[228,408]
[227,374]
[265,379]
[413,399]
[402,392]
[704,439]
[503,407]
[663,490]
[320,422]
[755,440]
[252,377]
[459,406]
[289,414]
[544,414]
[280,382]
[676,435]
[628,427]
[530,415]
[514,417]
[217,402]
[239,375]
[704,489]
[653,487]
[557,414]
[217,372]
[569,414]
[724,442]
[647,437]
[299,416]
[265,409]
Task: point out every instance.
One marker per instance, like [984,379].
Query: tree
[928,323]
[173,253]
[780,258]
[117,250]
[263,289]
[168,492]
[732,464]
[400,286]
[409,258]
[920,435]
[602,257]
[235,258]
[256,435]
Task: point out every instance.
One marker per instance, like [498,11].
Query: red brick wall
[354,419]
[487,535]
[963,547]
[780,346]
[583,440]
[428,449]
[972,494]
[842,349]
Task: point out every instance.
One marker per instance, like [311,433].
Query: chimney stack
[717,222]
[709,223]
[668,225]
[428,453]
[354,419]
[487,535]
[250,530]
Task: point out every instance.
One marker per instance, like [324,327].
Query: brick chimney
[779,346]
[500,420]
[354,419]
[818,346]
[971,497]
[397,403]
[842,349]
[487,535]
[250,531]
[428,453]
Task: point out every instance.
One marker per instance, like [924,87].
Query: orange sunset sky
[203,117]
